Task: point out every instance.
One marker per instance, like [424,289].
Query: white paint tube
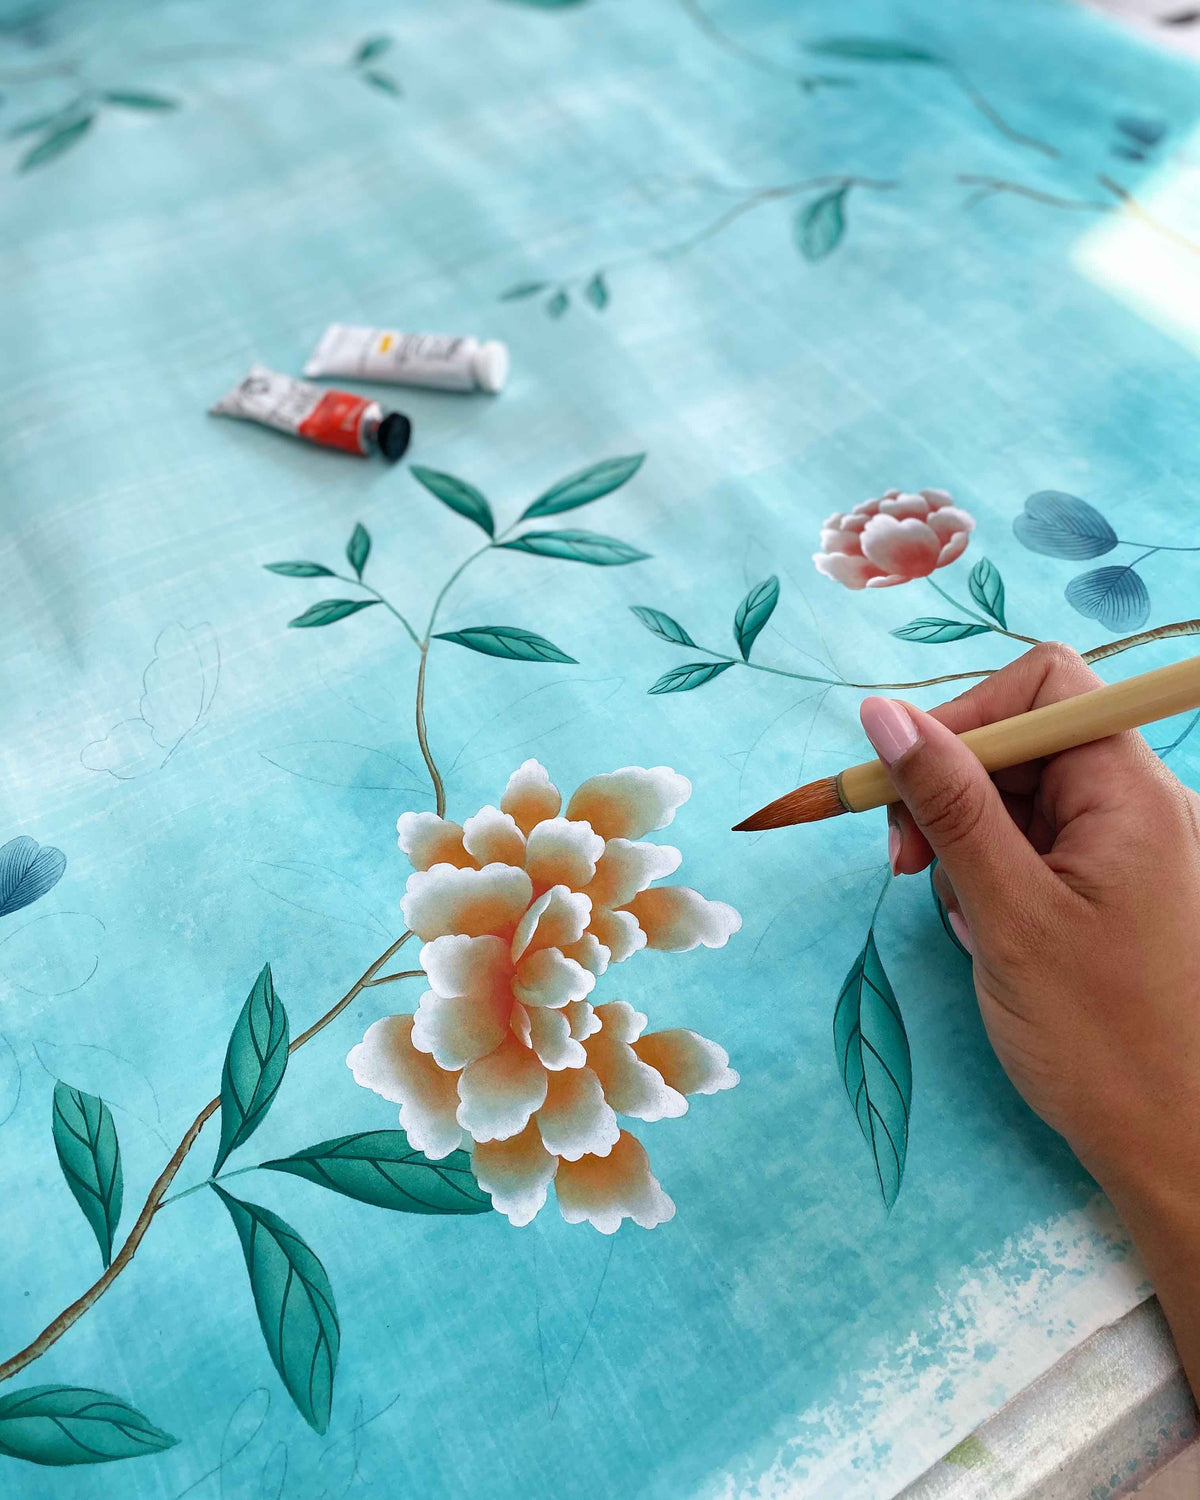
[335,419]
[437,360]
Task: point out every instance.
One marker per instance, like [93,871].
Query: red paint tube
[335,419]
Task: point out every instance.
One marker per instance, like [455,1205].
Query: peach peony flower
[892,540]
[520,911]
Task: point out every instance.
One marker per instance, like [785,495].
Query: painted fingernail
[888,727]
[894,842]
[961,931]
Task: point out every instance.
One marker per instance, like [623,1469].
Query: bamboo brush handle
[1045,731]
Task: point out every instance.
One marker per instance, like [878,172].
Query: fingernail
[961,931]
[888,727]
[893,846]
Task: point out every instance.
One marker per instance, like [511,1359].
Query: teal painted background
[144,266]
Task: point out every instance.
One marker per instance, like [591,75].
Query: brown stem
[1144,637]
[993,115]
[1002,185]
[391,978]
[1134,207]
[439,790]
[69,1315]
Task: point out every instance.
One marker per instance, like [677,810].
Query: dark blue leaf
[1116,596]
[1061,525]
[27,871]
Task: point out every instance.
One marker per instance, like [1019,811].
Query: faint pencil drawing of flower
[893,539]
[521,911]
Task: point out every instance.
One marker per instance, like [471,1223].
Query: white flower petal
[628,803]
[556,919]
[631,1086]
[547,978]
[498,1093]
[457,965]
[621,1021]
[603,1190]
[618,931]
[518,1024]
[530,796]
[444,900]
[590,952]
[492,837]
[688,1062]
[430,840]
[516,1172]
[386,1061]
[677,918]
[561,852]
[459,1028]
[550,1037]
[575,1120]
[627,868]
[583,1020]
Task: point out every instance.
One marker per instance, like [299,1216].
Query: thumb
[956,806]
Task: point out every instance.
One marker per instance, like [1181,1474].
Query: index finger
[1047,674]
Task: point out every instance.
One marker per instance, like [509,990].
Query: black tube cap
[393,436]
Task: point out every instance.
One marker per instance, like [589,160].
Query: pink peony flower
[520,911]
[892,540]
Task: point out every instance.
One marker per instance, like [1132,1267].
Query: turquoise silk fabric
[757,264]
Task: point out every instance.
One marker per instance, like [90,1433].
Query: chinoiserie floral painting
[408,1083]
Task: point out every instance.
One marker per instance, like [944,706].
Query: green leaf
[384,82]
[558,304]
[753,613]
[329,611]
[692,674]
[134,99]
[299,570]
[523,289]
[458,495]
[871,1046]
[987,590]
[380,1167]
[934,632]
[506,641]
[596,291]
[296,1310]
[85,1139]
[254,1064]
[358,548]
[577,546]
[943,917]
[374,47]
[872,49]
[59,1425]
[662,625]
[820,225]
[56,143]
[589,484]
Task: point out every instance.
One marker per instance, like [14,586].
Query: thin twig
[1002,185]
[705,24]
[391,978]
[756,197]
[995,118]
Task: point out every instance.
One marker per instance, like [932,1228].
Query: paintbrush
[1008,742]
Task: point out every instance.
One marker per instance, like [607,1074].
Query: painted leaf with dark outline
[987,590]
[255,1061]
[62,1425]
[577,546]
[506,641]
[1061,525]
[89,1154]
[942,915]
[27,871]
[296,1308]
[523,289]
[460,496]
[373,47]
[358,548]
[381,1168]
[871,1046]
[662,625]
[872,49]
[1116,596]
[56,143]
[558,304]
[299,569]
[596,291]
[692,674]
[931,631]
[588,485]
[329,612]
[753,613]
[136,99]
[821,224]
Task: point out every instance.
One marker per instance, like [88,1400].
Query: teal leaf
[821,224]
[523,289]
[1116,596]
[596,291]
[506,641]
[56,143]
[692,674]
[871,1046]
[374,47]
[384,82]
[136,99]
[380,1167]
[254,1065]
[1061,525]
[358,548]
[85,1139]
[872,49]
[753,613]
[27,871]
[328,612]
[296,1309]
[577,546]
[943,917]
[934,632]
[662,625]
[458,495]
[558,304]
[987,590]
[299,570]
[58,1425]
[588,485]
